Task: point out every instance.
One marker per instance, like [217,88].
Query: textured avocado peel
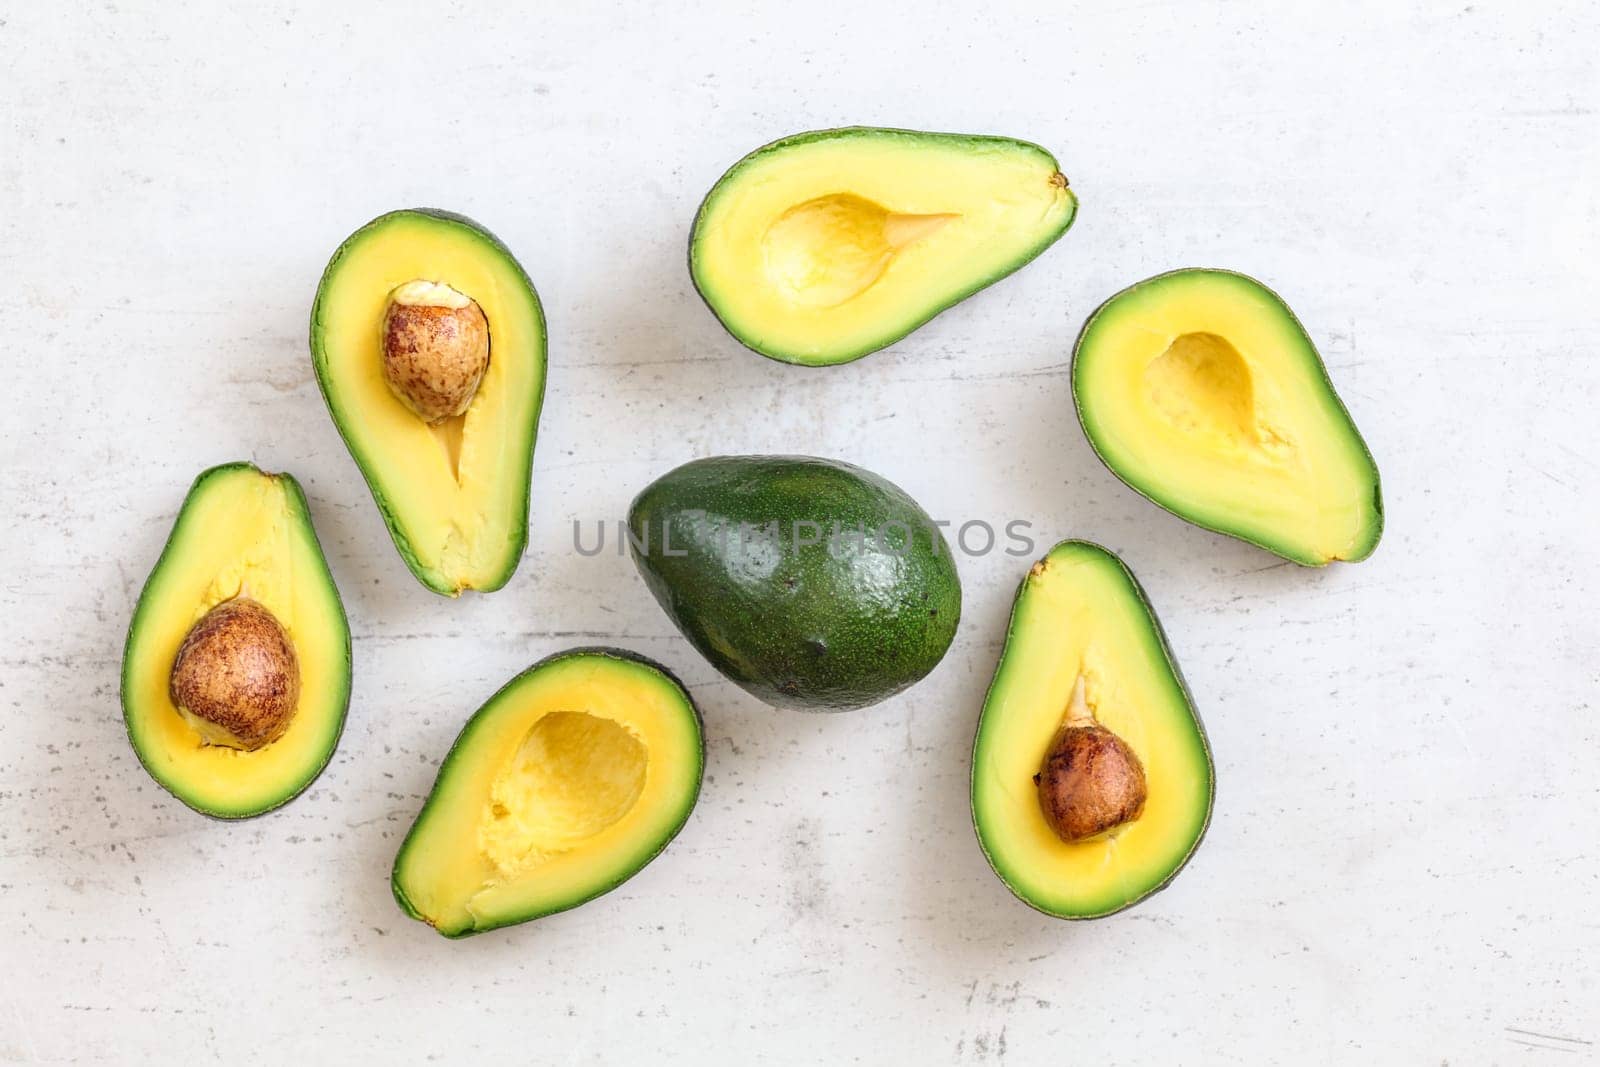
[774,568]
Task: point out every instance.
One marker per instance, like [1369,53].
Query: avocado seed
[1090,781]
[236,679]
[435,345]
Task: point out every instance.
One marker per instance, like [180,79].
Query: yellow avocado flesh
[1080,614]
[240,533]
[455,496]
[563,785]
[1202,391]
[824,247]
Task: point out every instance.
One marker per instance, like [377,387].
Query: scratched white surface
[1405,858]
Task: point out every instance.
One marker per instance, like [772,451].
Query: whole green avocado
[810,583]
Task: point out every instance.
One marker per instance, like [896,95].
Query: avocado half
[1202,391]
[1080,616]
[455,495]
[823,247]
[809,583]
[560,788]
[240,532]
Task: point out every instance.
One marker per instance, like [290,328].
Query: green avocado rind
[519,541]
[894,334]
[825,626]
[456,754]
[1315,363]
[297,499]
[1182,691]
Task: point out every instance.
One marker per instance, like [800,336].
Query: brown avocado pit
[236,678]
[435,348]
[1090,781]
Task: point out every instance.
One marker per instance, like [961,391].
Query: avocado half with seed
[429,346]
[823,247]
[1092,780]
[236,671]
[560,788]
[1202,391]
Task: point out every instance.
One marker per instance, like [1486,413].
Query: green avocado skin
[741,553]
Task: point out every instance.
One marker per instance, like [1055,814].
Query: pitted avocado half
[1202,391]
[560,788]
[826,246]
